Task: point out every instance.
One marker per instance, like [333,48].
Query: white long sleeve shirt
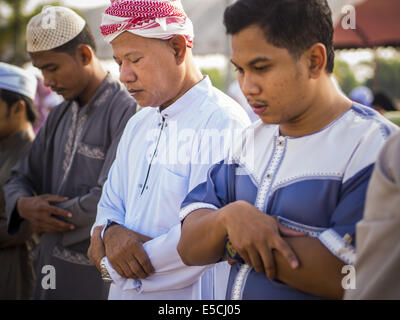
[161,157]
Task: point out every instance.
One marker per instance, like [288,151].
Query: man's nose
[248,85]
[126,74]
[49,81]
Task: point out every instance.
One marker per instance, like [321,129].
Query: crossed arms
[269,247]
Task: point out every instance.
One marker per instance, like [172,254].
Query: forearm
[83,209]
[88,202]
[319,272]
[13,192]
[203,236]
[82,219]
[170,272]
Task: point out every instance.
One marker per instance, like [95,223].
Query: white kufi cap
[52,28]
[17,80]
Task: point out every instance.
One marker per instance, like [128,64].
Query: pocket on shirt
[89,162]
[91,151]
[171,190]
[174,182]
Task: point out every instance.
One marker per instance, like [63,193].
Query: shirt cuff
[122,283]
[338,246]
[193,207]
[108,223]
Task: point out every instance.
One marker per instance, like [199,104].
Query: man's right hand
[41,214]
[125,252]
[255,234]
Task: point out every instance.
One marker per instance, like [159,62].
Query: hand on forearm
[41,215]
[124,250]
[96,249]
[254,235]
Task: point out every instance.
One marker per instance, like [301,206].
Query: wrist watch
[103,270]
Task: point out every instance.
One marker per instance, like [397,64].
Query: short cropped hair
[295,25]
[84,37]
[11,97]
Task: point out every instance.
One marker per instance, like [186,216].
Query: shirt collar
[187,100]
[97,97]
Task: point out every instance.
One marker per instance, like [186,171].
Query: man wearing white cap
[164,152]
[17,116]
[57,185]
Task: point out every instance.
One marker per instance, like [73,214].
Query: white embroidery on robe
[91,151]
[74,134]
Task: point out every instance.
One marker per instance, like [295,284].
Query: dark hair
[295,25]
[11,97]
[84,37]
[382,100]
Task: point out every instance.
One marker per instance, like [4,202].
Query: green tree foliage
[13,29]
[216,77]
[345,76]
[387,77]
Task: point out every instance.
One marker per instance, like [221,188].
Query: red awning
[377,24]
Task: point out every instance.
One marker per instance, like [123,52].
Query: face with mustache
[62,72]
[148,69]
[276,85]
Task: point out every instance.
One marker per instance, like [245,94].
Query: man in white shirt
[165,151]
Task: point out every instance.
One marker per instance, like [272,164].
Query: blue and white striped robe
[315,183]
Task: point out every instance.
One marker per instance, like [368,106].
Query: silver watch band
[105,275]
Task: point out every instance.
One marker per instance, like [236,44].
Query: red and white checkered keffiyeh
[159,19]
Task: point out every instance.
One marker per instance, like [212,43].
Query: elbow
[184,254]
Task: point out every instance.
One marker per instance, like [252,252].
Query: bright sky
[70,3]
[86,3]
[352,57]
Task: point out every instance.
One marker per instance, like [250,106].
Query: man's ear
[18,109]
[85,54]
[317,59]
[178,44]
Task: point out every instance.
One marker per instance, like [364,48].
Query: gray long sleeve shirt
[71,157]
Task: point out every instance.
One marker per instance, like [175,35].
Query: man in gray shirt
[57,185]
[17,116]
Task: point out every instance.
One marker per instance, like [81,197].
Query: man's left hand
[125,252]
[96,249]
